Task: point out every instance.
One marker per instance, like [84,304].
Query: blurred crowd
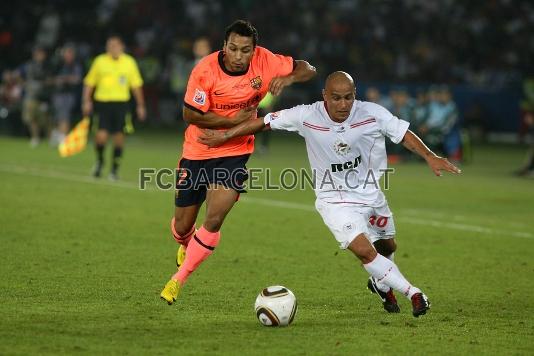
[46,47]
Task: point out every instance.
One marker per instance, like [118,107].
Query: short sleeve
[135,79]
[286,120]
[277,64]
[390,125]
[197,96]
[92,76]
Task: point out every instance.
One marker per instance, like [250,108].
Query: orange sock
[184,240]
[200,247]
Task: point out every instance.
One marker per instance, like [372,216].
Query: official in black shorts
[111,116]
[193,177]
[111,77]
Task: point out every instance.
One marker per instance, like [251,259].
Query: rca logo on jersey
[338,167]
[200,97]
[256,83]
[341,148]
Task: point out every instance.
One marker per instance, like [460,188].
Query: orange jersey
[211,87]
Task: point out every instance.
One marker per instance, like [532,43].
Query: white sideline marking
[273,203]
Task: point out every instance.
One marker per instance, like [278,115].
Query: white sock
[385,271]
[380,285]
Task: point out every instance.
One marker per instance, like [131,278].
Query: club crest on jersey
[256,83]
[200,97]
[275,115]
[341,148]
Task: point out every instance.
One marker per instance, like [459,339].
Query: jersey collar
[220,57]
[332,122]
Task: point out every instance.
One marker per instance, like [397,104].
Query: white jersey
[347,159]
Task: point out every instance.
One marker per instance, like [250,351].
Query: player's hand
[279,83]
[244,115]
[212,138]
[141,112]
[87,108]
[438,164]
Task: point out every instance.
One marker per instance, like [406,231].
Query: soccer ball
[276,306]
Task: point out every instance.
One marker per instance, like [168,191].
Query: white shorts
[346,221]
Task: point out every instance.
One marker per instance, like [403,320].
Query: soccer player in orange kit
[223,90]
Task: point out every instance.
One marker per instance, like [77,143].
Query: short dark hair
[242,28]
[114,35]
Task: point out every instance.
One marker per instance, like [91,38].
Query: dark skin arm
[302,73]
[436,163]
[210,120]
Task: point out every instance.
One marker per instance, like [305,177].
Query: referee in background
[110,79]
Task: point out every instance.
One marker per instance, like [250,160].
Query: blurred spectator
[527,107]
[441,129]
[180,66]
[67,80]
[420,110]
[150,68]
[403,105]
[10,100]
[48,31]
[373,95]
[35,108]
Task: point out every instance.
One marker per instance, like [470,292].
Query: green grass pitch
[83,262]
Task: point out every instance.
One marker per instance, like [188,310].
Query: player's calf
[363,249]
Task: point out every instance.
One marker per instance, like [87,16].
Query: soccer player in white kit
[345,140]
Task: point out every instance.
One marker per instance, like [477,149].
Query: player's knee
[213,223]
[182,227]
[386,247]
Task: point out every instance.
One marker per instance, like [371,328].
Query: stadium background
[83,261]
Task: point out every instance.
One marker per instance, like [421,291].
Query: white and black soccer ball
[276,306]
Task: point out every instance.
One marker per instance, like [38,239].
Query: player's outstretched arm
[412,142]
[213,138]
[303,72]
[210,120]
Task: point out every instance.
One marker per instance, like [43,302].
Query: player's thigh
[344,221]
[219,202]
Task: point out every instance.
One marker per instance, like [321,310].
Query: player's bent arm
[208,120]
[303,71]
[412,142]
